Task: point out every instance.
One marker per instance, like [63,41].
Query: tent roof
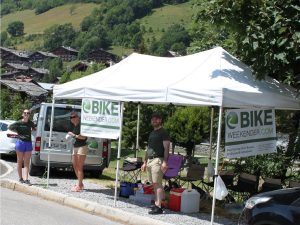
[212,77]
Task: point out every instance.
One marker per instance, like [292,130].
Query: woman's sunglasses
[26,113]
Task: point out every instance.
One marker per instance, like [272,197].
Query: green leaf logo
[86,106]
[93,145]
[232,120]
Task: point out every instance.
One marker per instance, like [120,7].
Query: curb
[9,168]
[110,213]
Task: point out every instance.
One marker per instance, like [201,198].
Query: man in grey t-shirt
[156,160]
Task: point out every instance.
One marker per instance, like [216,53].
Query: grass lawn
[36,24]
[120,50]
[164,17]
[108,177]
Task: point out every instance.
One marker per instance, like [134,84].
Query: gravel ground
[63,181]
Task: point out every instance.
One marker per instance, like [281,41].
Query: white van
[99,150]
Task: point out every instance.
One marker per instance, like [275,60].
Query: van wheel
[95,173]
[36,170]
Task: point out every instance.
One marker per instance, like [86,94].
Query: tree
[72,9]
[59,35]
[174,34]
[42,7]
[3,37]
[12,105]
[268,36]
[130,122]
[189,126]
[86,23]
[15,28]
[267,33]
[55,67]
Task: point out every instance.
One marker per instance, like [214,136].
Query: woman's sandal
[76,188]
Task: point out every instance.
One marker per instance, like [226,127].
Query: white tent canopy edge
[209,78]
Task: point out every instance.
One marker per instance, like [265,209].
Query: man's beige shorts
[155,174]
[80,150]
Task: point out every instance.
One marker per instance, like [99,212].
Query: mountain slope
[36,24]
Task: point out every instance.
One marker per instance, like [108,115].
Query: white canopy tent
[212,77]
[209,78]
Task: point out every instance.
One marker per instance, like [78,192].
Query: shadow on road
[9,158]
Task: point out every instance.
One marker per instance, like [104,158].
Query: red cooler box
[175,199]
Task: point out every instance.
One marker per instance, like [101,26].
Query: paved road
[3,169]
[21,209]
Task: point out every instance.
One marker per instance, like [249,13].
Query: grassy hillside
[164,17]
[35,24]
[158,21]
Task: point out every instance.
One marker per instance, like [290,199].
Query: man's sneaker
[154,206]
[27,182]
[21,181]
[156,210]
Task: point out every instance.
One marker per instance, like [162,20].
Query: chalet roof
[172,54]
[21,54]
[27,87]
[102,50]
[47,54]
[81,64]
[17,66]
[46,86]
[10,74]
[40,70]
[70,49]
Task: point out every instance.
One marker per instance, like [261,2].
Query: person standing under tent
[80,150]
[24,148]
[156,160]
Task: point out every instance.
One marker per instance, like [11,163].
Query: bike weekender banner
[249,132]
[100,118]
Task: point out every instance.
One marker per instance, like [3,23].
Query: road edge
[9,168]
[93,208]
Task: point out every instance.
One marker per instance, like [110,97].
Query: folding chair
[271,184]
[293,184]
[131,170]
[227,177]
[194,173]
[246,186]
[175,162]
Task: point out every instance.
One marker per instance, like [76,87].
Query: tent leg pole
[211,131]
[119,155]
[216,165]
[50,140]
[138,131]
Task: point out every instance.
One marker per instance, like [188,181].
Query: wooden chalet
[11,75]
[27,89]
[14,70]
[102,56]
[40,56]
[66,53]
[81,66]
[37,74]
[9,55]
[171,54]
[11,67]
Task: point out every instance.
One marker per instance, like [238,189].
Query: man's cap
[156,115]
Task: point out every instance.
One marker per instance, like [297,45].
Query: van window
[3,127]
[61,121]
